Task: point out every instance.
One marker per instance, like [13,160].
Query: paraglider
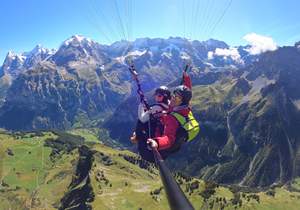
[167,124]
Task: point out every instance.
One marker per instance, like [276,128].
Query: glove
[133,138]
[151,143]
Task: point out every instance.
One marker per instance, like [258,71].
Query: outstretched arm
[187,80]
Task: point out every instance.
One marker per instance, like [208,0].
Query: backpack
[142,128]
[188,130]
[189,124]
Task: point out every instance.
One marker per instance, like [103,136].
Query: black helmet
[164,91]
[184,92]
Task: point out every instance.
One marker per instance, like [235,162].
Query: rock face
[82,196]
[47,97]
[253,140]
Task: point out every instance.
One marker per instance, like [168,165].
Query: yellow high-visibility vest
[189,124]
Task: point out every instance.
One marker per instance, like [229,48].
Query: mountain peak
[12,56]
[177,40]
[297,44]
[77,40]
[40,50]
[13,63]
[215,43]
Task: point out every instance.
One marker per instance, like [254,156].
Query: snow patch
[297,103]
[11,55]
[77,40]
[136,53]
[102,67]
[170,48]
[231,52]
[165,54]
[185,56]
[210,55]
[210,65]
[121,59]
[38,50]
[150,53]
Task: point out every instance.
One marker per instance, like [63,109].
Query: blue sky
[24,24]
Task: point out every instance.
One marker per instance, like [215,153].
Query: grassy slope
[204,96]
[31,180]
[120,195]
[28,171]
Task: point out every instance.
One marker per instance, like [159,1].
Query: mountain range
[83,80]
[247,105]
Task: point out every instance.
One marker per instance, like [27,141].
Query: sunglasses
[176,96]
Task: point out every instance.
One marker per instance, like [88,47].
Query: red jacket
[170,123]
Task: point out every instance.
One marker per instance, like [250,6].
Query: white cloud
[259,43]
[231,52]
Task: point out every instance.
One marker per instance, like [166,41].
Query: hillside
[54,170]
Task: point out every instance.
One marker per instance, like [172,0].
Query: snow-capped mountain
[79,48]
[174,51]
[37,55]
[15,63]
[85,78]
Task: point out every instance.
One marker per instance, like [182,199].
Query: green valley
[69,170]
